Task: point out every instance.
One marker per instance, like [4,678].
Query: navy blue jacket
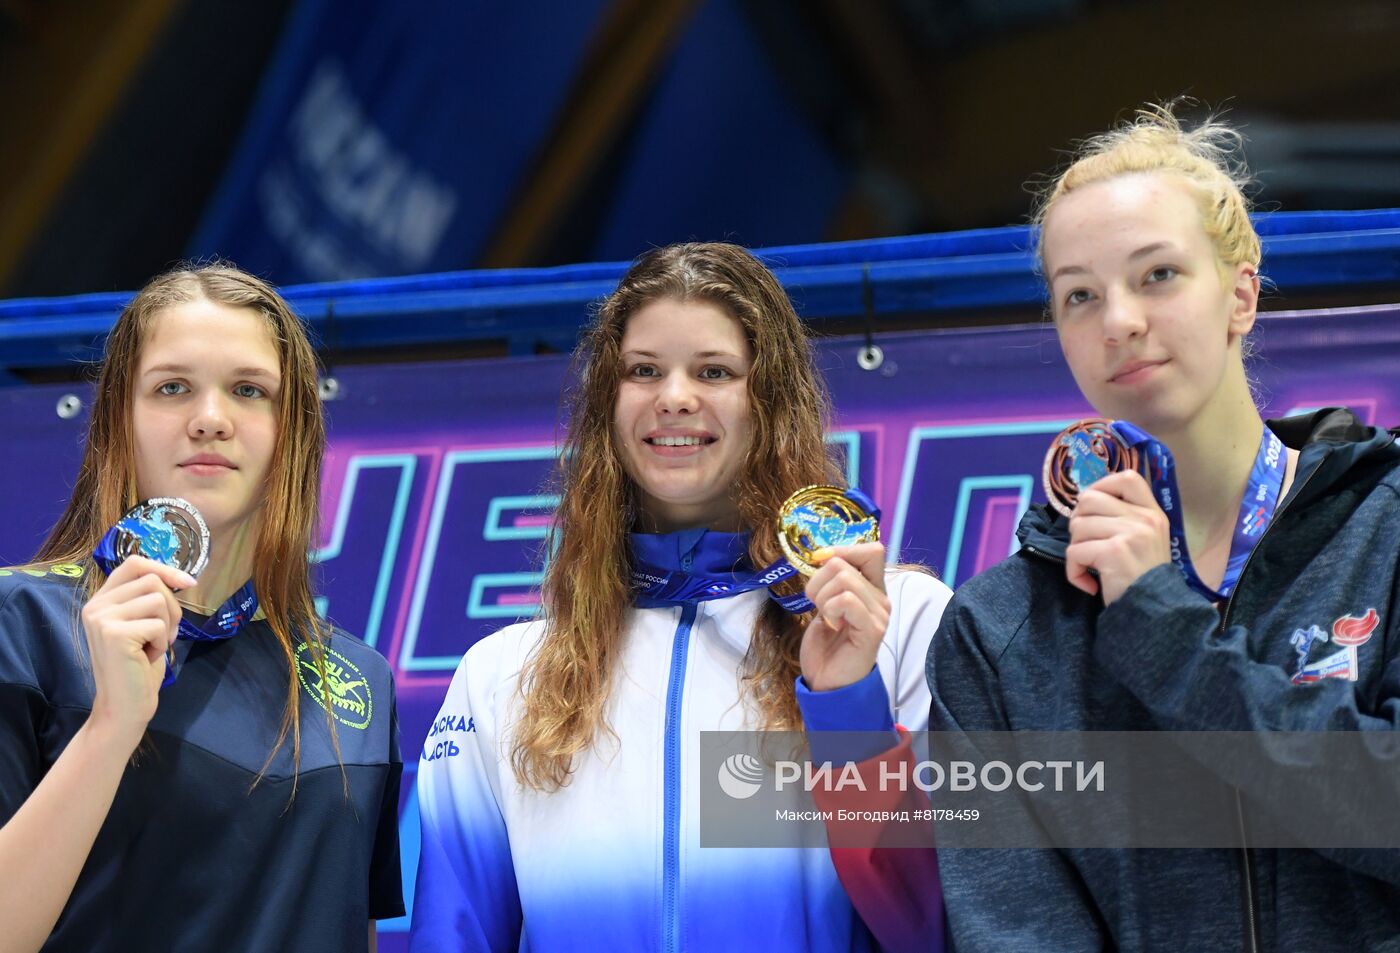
[1021,649]
[193,855]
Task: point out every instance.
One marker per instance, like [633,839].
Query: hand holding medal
[1118,487]
[132,620]
[1117,531]
[171,531]
[832,536]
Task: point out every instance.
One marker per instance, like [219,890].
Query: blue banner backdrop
[437,488]
[387,138]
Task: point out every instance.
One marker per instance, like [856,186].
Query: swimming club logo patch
[67,570]
[1350,632]
[352,704]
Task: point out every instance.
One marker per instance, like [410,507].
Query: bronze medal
[1083,453]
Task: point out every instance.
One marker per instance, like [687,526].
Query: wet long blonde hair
[567,682]
[106,483]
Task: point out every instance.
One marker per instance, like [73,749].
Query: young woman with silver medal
[560,802]
[1192,544]
[192,759]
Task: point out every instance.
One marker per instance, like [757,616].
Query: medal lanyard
[227,621]
[1257,508]
[655,588]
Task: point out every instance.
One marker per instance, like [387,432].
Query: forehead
[1121,214]
[671,325]
[208,330]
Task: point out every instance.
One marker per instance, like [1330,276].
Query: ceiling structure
[929,115]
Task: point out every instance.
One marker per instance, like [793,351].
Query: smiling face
[204,410]
[681,418]
[1149,320]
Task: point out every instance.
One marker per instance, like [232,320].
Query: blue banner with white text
[384,140]
[394,139]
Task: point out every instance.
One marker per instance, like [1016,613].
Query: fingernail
[821,555]
[188,581]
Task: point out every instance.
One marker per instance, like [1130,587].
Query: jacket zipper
[1246,877]
[1246,866]
[670,844]
[1246,872]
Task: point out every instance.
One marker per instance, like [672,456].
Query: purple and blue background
[437,486]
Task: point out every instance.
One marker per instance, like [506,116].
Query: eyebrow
[1142,252]
[1068,270]
[1146,250]
[652,355]
[237,371]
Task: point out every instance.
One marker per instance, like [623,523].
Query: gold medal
[816,517]
[1083,453]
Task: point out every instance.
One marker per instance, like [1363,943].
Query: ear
[1244,298]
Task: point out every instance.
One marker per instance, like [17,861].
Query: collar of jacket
[700,551]
[1331,441]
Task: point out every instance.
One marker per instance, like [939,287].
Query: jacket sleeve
[1162,642]
[998,899]
[466,897]
[895,691]
[895,889]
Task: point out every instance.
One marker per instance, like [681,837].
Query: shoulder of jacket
[365,656]
[993,607]
[916,582]
[499,656]
[58,583]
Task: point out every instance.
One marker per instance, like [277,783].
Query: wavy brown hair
[566,683]
[106,484]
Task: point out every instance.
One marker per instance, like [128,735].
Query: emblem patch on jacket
[344,684]
[1350,632]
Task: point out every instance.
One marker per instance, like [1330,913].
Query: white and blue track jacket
[613,860]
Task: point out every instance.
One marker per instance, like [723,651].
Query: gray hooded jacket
[1021,649]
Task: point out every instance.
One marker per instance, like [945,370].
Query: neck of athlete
[1215,453]
[230,566]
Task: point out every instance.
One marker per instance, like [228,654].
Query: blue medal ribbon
[1261,498]
[227,621]
[654,587]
